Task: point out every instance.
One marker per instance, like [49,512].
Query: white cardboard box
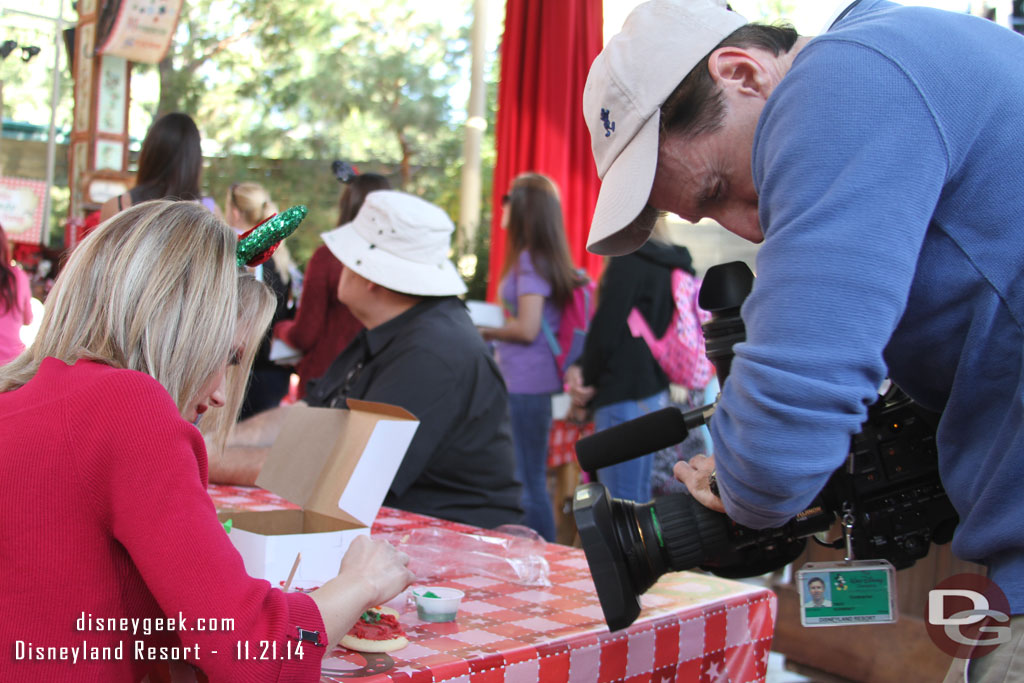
[337,465]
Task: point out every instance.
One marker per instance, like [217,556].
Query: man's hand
[247,448]
[696,474]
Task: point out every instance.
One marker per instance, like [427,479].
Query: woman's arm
[156,471]
[111,207]
[523,327]
[372,572]
[189,564]
[25,293]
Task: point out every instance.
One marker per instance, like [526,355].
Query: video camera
[887,494]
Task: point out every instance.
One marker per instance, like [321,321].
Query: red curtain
[546,51]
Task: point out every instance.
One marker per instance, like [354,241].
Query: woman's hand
[372,572]
[696,474]
[381,568]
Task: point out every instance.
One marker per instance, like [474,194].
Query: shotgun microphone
[645,434]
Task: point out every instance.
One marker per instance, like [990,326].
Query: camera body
[887,493]
[891,484]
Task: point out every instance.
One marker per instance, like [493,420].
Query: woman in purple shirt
[537,281]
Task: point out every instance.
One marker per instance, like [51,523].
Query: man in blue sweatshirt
[882,165]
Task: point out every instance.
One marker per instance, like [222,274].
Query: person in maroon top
[323,326]
[112,551]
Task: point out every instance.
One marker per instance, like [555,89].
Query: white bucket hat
[660,43]
[401,242]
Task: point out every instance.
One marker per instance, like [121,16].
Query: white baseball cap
[401,242]
[660,43]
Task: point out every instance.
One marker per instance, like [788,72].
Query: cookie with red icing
[376,630]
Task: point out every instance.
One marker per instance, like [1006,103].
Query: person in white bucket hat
[419,351]
[881,165]
[401,242]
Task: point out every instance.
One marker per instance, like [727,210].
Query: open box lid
[339,462]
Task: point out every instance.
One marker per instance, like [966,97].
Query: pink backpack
[567,341]
[680,351]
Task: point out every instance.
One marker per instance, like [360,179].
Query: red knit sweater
[106,517]
[323,326]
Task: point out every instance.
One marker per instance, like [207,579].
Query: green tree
[289,78]
[305,82]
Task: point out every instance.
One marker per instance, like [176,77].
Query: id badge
[847,593]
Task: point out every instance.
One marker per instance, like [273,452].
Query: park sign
[138,31]
[21,209]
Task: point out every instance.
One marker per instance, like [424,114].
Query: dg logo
[965,613]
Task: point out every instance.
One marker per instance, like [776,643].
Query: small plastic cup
[437,604]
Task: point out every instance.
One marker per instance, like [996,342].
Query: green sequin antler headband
[257,245]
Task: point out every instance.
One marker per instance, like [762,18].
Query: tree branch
[193,64]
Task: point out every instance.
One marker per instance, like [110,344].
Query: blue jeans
[630,480]
[530,415]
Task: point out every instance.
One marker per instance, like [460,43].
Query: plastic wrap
[515,554]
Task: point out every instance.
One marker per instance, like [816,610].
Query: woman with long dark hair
[537,281]
[15,303]
[170,165]
[323,326]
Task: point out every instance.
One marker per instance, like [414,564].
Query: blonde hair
[155,289]
[254,206]
[252,201]
[255,309]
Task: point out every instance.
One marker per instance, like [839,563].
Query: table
[694,627]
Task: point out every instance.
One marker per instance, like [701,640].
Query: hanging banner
[21,209]
[138,30]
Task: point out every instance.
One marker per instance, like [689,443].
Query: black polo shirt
[431,361]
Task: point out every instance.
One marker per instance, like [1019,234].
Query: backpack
[567,341]
[680,351]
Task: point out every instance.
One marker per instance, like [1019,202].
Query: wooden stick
[291,575]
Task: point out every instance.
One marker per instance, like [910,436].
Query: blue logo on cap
[609,125]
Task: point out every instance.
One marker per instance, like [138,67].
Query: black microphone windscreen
[646,434]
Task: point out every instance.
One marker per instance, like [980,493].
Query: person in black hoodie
[616,376]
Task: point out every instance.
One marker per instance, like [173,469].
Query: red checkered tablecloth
[694,627]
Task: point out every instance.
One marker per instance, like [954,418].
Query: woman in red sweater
[112,553]
[323,326]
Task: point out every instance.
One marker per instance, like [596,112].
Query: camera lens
[693,534]
[670,533]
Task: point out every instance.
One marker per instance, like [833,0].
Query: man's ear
[736,68]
